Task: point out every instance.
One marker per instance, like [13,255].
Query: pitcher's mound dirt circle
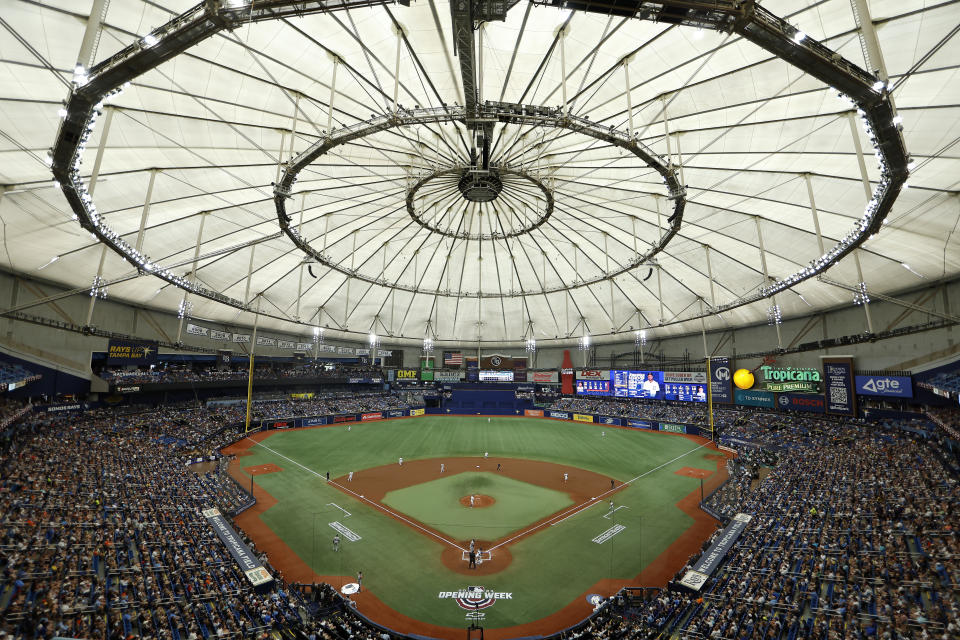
[479,500]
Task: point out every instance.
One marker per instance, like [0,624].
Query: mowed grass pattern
[437,504]
[549,569]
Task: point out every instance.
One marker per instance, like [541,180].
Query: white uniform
[564,477]
[471,501]
[401,462]
[441,467]
[350,477]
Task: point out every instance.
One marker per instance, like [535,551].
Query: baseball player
[336,542]
[359,581]
[611,508]
[498,466]
[401,461]
[441,467]
[473,544]
[603,434]
[471,501]
[564,478]
[486,455]
[350,477]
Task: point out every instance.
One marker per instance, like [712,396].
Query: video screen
[685,392]
[637,384]
[593,387]
[493,375]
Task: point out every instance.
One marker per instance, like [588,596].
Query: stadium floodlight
[860,295]
[374,340]
[428,345]
[530,345]
[774,316]
[149,40]
[640,337]
[583,344]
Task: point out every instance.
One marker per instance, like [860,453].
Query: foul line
[360,497]
[593,501]
[346,514]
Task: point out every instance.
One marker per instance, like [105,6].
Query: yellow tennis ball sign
[743,378]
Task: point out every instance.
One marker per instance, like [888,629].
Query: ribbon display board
[127,352]
[249,563]
[712,557]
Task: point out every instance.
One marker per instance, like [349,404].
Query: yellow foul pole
[253,345]
[710,397]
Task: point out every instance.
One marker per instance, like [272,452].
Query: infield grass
[549,569]
[437,504]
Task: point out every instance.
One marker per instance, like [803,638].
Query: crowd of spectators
[13,373]
[855,533]
[179,373]
[12,409]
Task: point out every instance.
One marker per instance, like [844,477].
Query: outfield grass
[549,569]
[437,504]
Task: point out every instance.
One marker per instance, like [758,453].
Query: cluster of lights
[318,335]
[99,288]
[862,224]
[583,344]
[141,261]
[774,317]
[640,338]
[184,309]
[374,340]
[427,345]
[860,295]
[530,345]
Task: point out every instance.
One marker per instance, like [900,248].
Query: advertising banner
[801,402]
[885,386]
[640,424]
[327,348]
[609,420]
[371,416]
[593,374]
[673,427]
[241,338]
[721,380]
[685,377]
[304,346]
[197,330]
[127,352]
[242,555]
[345,351]
[787,379]
[128,389]
[542,376]
[265,341]
[752,398]
[563,415]
[281,424]
[838,380]
[286,344]
[395,413]
[417,412]
[448,376]
[533,413]
[582,417]
[222,336]
[407,374]
[593,387]
[426,375]
[697,576]
[473,375]
[314,422]
[349,418]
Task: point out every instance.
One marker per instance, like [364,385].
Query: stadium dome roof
[557,233]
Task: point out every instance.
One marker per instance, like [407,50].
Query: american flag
[453,358]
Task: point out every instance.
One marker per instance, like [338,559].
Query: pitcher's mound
[479,500]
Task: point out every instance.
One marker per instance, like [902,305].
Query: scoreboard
[623,383]
[685,392]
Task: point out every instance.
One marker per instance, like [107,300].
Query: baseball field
[560,510]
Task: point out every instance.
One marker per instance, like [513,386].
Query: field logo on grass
[473,599]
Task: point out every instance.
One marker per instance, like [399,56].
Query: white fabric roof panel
[745,130]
